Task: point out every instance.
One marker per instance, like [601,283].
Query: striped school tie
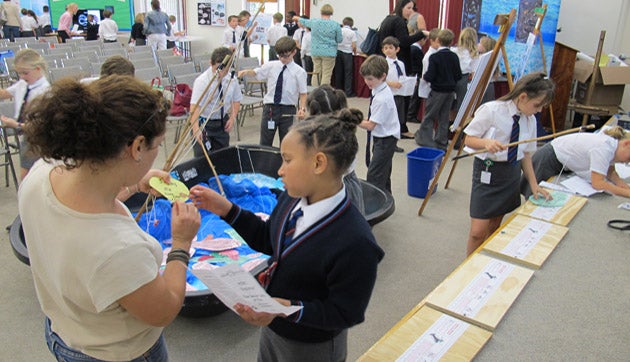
[290,229]
[513,150]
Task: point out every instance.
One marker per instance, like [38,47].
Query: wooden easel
[540,13]
[505,22]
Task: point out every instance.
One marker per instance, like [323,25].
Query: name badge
[271,124]
[485,177]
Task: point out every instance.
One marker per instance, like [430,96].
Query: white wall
[366,13]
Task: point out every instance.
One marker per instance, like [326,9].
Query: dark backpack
[370,44]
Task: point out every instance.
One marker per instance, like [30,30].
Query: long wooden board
[561,216]
[481,290]
[526,241]
[430,335]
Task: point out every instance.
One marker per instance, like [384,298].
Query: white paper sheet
[436,341]
[408,86]
[579,186]
[233,284]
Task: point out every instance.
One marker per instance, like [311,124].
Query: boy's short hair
[46,8]
[172,18]
[285,45]
[117,64]
[232,17]
[445,37]
[219,54]
[107,13]
[291,14]
[348,21]
[326,9]
[433,34]
[245,13]
[278,17]
[390,40]
[375,66]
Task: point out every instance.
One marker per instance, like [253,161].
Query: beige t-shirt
[82,264]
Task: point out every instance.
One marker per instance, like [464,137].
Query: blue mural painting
[480,15]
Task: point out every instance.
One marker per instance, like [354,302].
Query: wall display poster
[212,13]
[259,35]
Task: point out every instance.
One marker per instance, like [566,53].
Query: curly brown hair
[76,122]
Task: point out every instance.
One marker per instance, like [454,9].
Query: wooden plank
[561,216]
[525,240]
[422,336]
[481,291]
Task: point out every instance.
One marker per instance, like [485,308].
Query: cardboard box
[610,84]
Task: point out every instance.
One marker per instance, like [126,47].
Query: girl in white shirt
[497,173]
[591,156]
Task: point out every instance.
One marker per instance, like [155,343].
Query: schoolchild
[395,76]
[497,173]
[382,122]
[591,156]
[443,73]
[212,125]
[326,100]
[324,256]
[232,35]
[344,61]
[275,32]
[286,88]
[417,57]
[108,29]
[31,68]
[466,51]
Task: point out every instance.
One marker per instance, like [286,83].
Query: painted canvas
[523,56]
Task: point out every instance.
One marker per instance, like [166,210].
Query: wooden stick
[541,138]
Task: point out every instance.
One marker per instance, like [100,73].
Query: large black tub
[237,159]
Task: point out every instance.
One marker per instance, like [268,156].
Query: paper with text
[233,284]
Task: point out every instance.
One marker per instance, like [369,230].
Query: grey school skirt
[499,197]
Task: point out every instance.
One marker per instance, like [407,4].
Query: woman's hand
[185,223]
[143,185]
[208,199]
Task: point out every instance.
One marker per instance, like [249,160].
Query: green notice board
[123,10]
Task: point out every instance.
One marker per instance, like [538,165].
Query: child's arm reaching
[367,124]
[488,144]
[208,199]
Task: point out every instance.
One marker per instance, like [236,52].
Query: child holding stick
[496,174]
[324,256]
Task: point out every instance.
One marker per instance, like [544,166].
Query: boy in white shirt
[344,61]
[232,35]
[395,76]
[285,81]
[108,29]
[217,119]
[382,125]
[298,36]
[307,61]
[44,20]
[275,32]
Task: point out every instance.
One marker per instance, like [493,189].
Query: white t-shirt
[231,91]
[44,19]
[584,153]
[293,81]
[493,120]
[108,29]
[82,264]
[383,113]
[348,37]
[28,23]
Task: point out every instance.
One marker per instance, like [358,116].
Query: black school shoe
[399,149]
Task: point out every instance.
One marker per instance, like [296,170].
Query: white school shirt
[227,38]
[108,29]
[392,74]
[18,90]
[306,45]
[44,19]
[348,36]
[498,116]
[424,88]
[383,113]
[316,211]
[275,32]
[584,153]
[298,35]
[465,60]
[231,91]
[294,81]
[28,23]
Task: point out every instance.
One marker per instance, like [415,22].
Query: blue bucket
[422,166]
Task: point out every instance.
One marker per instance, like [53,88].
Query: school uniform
[580,153]
[279,115]
[344,61]
[307,60]
[384,136]
[497,193]
[417,56]
[231,37]
[275,32]
[108,31]
[213,118]
[329,269]
[298,36]
[397,73]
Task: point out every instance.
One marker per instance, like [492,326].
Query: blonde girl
[31,68]
[466,50]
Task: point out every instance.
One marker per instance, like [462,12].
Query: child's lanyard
[486,175]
